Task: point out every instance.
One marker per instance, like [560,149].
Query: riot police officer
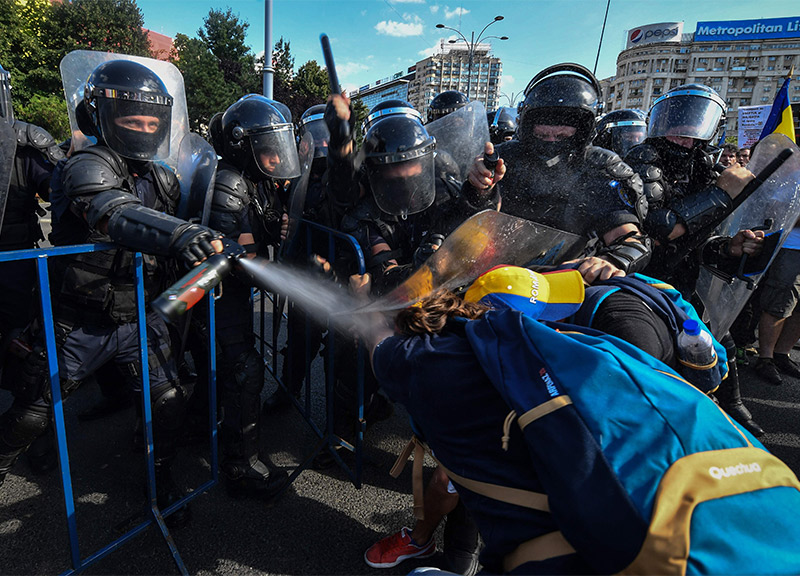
[621,130]
[258,158]
[114,191]
[686,195]
[446,102]
[502,124]
[312,131]
[556,177]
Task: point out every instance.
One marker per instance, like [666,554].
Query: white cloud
[408,1]
[448,14]
[435,49]
[506,82]
[400,29]
[434,8]
[350,68]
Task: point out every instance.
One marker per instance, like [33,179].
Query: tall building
[445,70]
[744,60]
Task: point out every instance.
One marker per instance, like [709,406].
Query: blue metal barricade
[338,244]
[156,516]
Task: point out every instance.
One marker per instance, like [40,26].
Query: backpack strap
[418,448]
[537,549]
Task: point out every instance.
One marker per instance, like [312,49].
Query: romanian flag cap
[551,296]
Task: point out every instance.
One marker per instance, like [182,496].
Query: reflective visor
[403,188]
[686,113]
[275,152]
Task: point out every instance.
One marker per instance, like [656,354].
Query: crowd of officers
[398,196]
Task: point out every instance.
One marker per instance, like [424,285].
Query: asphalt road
[322,525]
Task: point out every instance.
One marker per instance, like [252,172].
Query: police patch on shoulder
[623,193]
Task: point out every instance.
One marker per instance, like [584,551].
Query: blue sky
[372,39]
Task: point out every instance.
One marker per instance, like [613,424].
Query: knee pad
[248,372]
[23,424]
[169,405]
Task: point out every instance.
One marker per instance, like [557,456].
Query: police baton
[702,235]
[333,78]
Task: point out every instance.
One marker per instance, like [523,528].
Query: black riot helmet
[502,124]
[130,109]
[259,140]
[6,109]
[446,102]
[561,95]
[621,130]
[399,157]
[215,133]
[688,111]
[312,122]
[390,108]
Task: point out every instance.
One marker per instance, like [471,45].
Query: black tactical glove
[427,248]
[341,130]
[192,243]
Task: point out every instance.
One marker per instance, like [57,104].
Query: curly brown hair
[430,314]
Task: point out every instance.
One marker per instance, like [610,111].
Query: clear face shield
[687,114]
[275,152]
[315,125]
[626,134]
[403,183]
[135,124]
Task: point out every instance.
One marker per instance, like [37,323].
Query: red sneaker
[394,549]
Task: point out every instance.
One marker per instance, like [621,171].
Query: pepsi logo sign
[636,35]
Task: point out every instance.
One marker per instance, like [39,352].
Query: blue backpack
[671,307]
[644,473]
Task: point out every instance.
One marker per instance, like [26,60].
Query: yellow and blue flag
[780,117]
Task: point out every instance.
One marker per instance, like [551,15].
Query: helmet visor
[686,113]
[625,135]
[136,129]
[275,152]
[316,126]
[403,188]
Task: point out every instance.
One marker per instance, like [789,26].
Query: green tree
[217,66]
[49,112]
[209,93]
[311,81]
[362,112]
[283,65]
[224,36]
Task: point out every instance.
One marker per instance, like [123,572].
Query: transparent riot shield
[487,239]
[79,64]
[8,150]
[460,136]
[196,170]
[774,205]
[298,189]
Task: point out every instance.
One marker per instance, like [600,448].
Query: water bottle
[695,346]
[698,357]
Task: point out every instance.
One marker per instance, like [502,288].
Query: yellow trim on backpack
[708,366]
[543,410]
[695,479]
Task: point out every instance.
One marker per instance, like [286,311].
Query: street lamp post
[471,44]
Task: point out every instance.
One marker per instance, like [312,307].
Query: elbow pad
[631,254]
[709,207]
[104,203]
[153,232]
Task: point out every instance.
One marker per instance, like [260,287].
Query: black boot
[252,479]
[462,544]
[42,455]
[730,400]
[167,493]
[19,428]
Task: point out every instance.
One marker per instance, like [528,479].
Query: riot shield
[8,150]
[776,205]
[196,170]
[77,66]
[487,239]
[297,192]
[461,135]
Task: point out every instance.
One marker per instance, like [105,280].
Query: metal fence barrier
[155,515]
[337,246]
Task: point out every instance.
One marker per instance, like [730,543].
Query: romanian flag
[780,117]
